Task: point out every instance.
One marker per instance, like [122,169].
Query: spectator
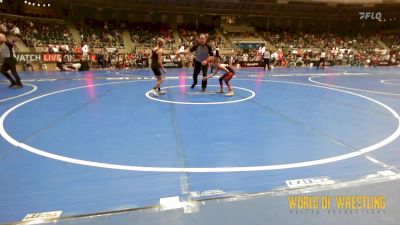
[15,31]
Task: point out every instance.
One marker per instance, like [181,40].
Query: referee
[266,59]
[202,51]
[322,59]
[8,62]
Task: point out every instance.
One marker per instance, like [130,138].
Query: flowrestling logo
[370,15]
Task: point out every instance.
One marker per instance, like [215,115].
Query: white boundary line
[359,152]
[253,94]
[387,82]
[348,88]
[27,93]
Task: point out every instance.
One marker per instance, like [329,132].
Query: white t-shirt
[322,54]
[267,55]
[16,31]
[245,56]
[261,50]
[181,49]
[85,49]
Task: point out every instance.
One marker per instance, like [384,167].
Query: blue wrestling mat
[99,141]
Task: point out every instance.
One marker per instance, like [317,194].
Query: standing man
[322,59]
[266,59]
[100,59]
[202,52]
[85,50]
[8,62]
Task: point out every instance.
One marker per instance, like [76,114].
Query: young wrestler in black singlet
[157,66]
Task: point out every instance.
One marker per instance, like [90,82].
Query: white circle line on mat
[387,82]
[349,88]
[27,93]
[252,95]
[359,152]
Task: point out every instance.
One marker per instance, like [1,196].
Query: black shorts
[156,71]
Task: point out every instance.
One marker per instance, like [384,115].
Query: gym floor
[98,141]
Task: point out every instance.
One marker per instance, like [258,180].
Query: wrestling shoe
[17,86]
[229,94]
[155,92]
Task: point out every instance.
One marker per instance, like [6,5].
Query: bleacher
[392,41]
[35,33]
[288,40]
[145,34]
[101,34]
[188,33]
[50,36]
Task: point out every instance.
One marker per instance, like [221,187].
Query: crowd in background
[290,48]
[146,34]
[392,41]
[98,34]
[245,34]
[299,48]
[311,41]
[189,32]
[36,34]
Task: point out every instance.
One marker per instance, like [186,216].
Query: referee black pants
[266,63]
[10,64]
[197,68]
